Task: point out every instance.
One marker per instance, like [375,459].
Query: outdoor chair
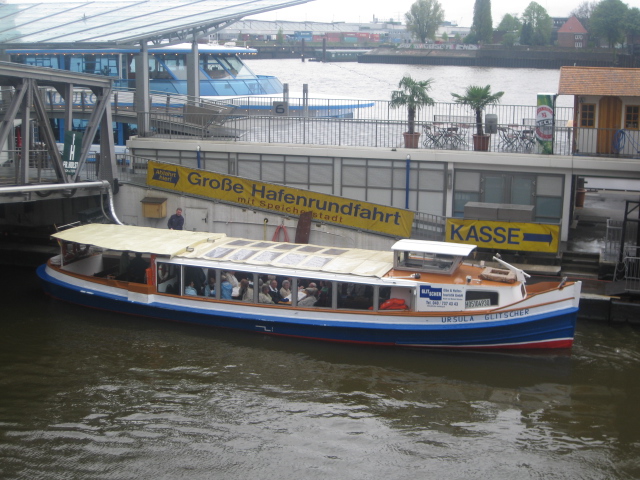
[509,138]
[432,136]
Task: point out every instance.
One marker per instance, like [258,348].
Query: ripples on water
[375,81]
[94,395]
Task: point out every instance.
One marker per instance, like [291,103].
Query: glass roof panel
[292,259]
[317,262]
[267,256]
[121,21]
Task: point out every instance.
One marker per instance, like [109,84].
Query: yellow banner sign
[292,201]
[529,237]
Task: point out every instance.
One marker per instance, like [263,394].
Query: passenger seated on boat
[274,292]
[190,289]
[124,265]
[137,268]
[226,290]
[163,273]
[324,295]
[310,299]
[233,280]
[246,291]
[285,290]
[210,288]
[263,296]
[197,275]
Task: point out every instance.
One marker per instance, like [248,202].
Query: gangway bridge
[31,96]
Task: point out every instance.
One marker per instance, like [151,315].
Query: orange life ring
[392,304]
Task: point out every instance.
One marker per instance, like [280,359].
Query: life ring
[393,304]
[397,307]
[276,234]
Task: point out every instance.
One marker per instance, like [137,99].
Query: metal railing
[631,264]
[428,227]
[613,238]
[353,132]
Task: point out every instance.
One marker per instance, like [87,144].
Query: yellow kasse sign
[293,201]
[529,237]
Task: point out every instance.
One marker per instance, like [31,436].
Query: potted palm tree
[478,98]
[413,94]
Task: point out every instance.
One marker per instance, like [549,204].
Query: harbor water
[368,81]
[90,394]
[93,395]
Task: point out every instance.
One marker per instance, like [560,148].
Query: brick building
[572,34]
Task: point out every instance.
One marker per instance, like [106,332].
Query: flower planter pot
[481,143]
[411,140]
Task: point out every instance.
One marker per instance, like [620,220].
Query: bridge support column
[193,71]
[143,103]
[22,172]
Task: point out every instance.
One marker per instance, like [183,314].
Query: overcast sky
[460,11]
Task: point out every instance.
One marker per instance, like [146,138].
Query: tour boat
[416,294]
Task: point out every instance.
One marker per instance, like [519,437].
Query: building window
[631,116]
[588,115]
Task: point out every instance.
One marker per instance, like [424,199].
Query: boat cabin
[432,257]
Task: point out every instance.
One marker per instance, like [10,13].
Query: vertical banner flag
[544,122]
[71,152]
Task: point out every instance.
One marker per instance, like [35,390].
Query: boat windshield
[237,68]
[212,66]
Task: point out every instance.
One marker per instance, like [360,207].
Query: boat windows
[212,67]
[357,296]
[480,299]
[37,60]
[195,279]
[167,278]
[235,66]
[158,70]
[427,261]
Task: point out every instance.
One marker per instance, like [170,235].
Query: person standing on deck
[176,221]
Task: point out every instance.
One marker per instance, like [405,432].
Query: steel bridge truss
[22,104]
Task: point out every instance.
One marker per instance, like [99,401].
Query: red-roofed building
[572,34]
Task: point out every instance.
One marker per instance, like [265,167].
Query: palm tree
[413,95]
[478,98]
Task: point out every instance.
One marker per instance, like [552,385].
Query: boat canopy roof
[136,239]
[440,248]
[219,248]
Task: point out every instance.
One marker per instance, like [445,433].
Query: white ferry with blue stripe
[222,70]
[419,294]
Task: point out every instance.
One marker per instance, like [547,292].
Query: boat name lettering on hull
[489,316]
[457,319]
[507,315]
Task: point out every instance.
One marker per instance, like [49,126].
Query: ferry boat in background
[222,71]
[224,80]
[419,294]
